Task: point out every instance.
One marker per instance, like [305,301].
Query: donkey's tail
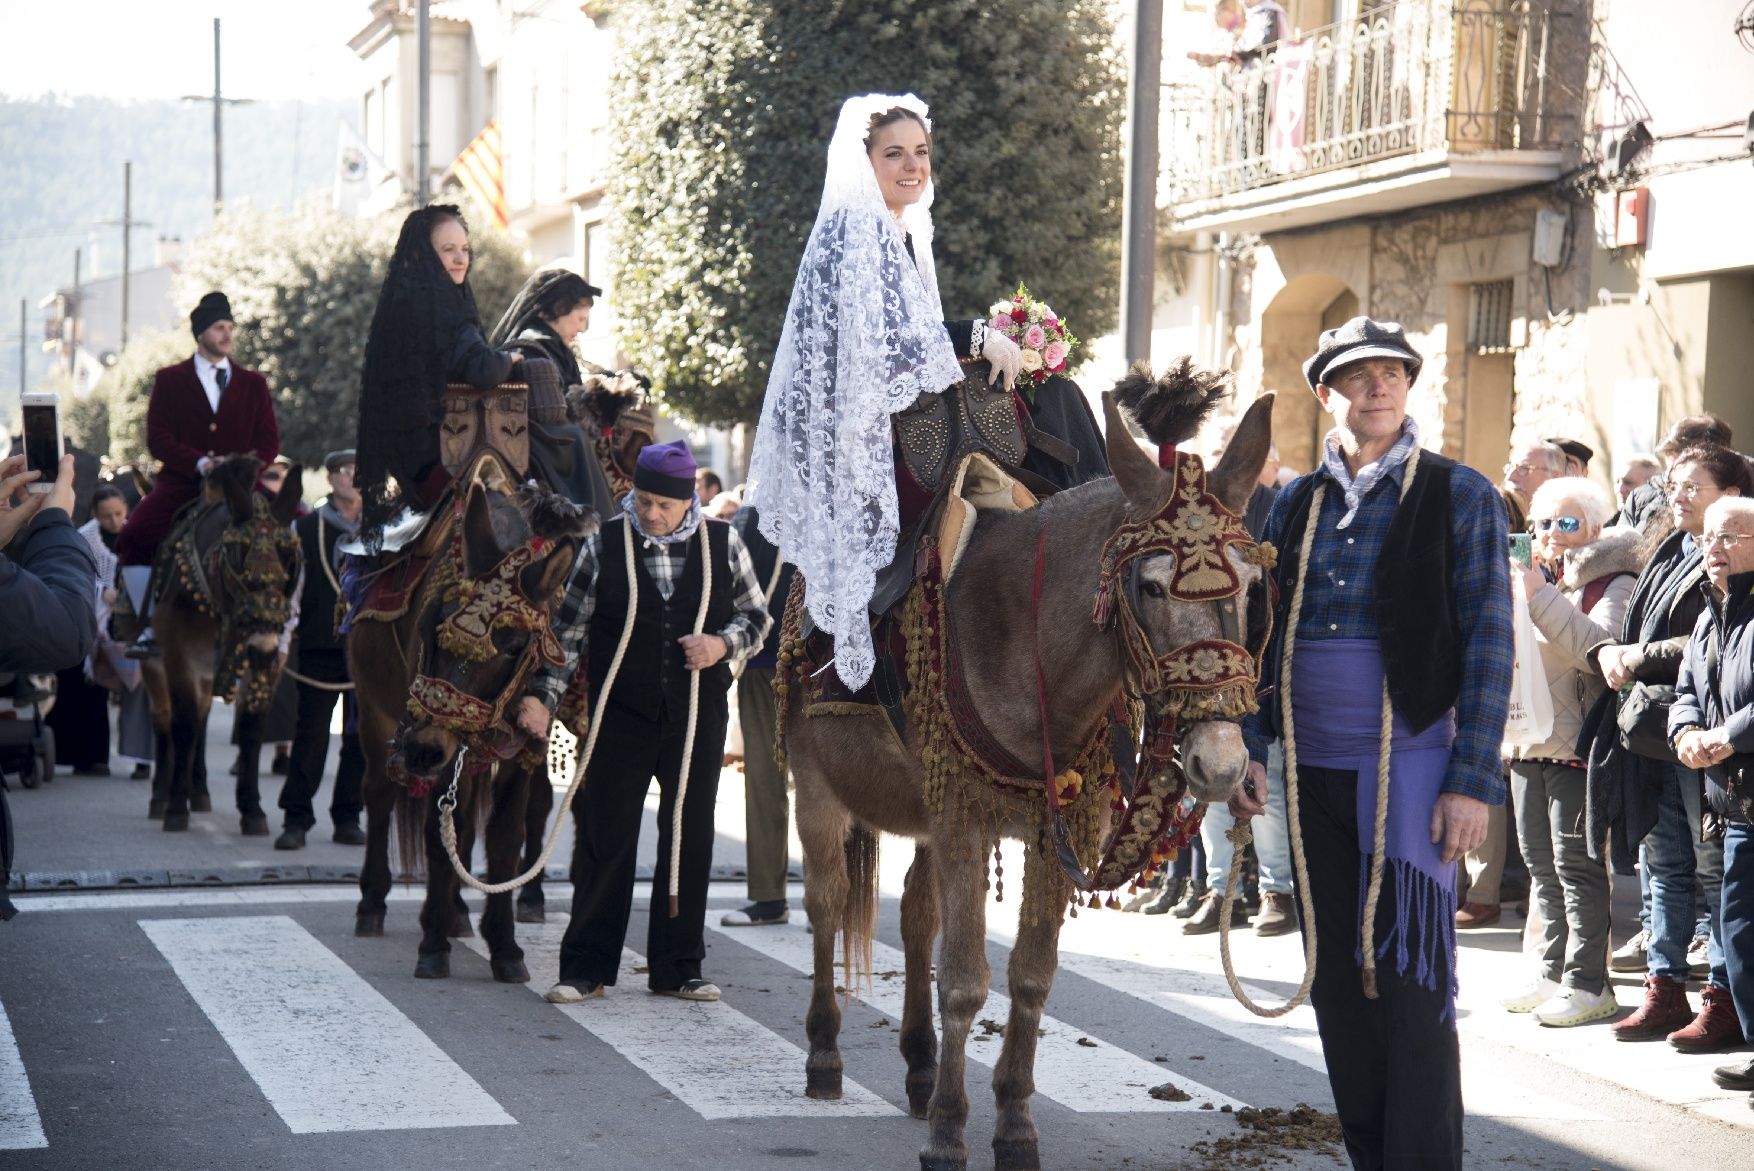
[408,842]
[859,917]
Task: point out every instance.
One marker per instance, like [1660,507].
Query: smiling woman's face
[901,155]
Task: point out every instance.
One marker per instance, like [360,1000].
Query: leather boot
[1166,899]
[1714,1029]
[1190,904]
[1664,1010]
[1204,921]
[1278,915]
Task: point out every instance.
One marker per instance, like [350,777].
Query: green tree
[112,418]
[722,114]
[303,285]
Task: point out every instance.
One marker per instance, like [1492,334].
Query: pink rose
[1051,321]
[1000,321]
[1034,337]
[1054,357]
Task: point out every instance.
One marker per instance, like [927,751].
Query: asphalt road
[243,1026]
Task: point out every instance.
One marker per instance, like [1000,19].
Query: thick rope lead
[706,597]
[1240,835]
[447,824]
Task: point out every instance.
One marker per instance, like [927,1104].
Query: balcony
[1422,102]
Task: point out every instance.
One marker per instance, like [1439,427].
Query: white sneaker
[1630,956]
[1574,1006]
[1532,995]
[1699,956]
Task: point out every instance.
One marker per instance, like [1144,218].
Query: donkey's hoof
[510,971]
[531,913]
[919,1092]
[931,1162]
[1016,1155]
[822,1084]
[155,808]
[461,927]
[368,924]
[436,966]
[254,825]
[176,822]
[201,802]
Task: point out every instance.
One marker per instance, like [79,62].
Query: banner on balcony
[1290,101]
[480,169]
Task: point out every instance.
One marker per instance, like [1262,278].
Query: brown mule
[855,776]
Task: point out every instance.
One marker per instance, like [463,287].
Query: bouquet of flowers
[1038,331]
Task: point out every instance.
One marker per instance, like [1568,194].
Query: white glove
[1004,357]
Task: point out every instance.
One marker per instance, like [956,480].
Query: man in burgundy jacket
[200,410]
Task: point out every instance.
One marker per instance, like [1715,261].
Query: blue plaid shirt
[1340,602]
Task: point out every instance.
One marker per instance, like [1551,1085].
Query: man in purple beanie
[678,558]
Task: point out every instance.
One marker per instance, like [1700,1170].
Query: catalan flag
[481,171]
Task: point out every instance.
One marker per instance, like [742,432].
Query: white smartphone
[42,438]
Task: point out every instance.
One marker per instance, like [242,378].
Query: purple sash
[1336,698]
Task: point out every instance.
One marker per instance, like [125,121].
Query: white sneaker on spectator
[1574,1006]
[1534,994]
[1630,956]
[1699,956]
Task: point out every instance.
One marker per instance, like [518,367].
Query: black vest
[316,605]
[653,680]
[1417,625]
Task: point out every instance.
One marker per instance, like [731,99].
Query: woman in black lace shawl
[552,309]
[426,332]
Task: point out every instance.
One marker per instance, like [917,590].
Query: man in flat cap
[200,409]
[1395,594]
[676,556]
[320,661]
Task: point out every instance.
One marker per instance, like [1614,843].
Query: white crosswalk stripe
[264,982]
[21,1127]
[1082,1073]
[718,1061]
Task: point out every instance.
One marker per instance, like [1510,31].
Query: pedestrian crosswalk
[254,970]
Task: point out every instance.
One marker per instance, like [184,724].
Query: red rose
[1019,315]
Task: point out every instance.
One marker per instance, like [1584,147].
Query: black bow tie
[221,375]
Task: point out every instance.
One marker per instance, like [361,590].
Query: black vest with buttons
[653,680]
[1418,629]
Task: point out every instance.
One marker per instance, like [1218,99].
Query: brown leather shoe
[1204,921]
[1477,914]
[1278,915]
[1665,1009]
[1714,1029]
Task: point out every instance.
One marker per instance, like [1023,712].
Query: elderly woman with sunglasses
[1577,589]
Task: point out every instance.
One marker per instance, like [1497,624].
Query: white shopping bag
[1531,702]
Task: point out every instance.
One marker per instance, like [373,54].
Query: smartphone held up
[1520,550]
[42,438]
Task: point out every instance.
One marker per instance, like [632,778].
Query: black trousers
[1393,1063]
[310,747]
[631,750]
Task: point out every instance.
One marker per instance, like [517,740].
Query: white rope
[706,596]
[448,803]
[1240,834]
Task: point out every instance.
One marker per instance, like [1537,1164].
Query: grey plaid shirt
[743,634]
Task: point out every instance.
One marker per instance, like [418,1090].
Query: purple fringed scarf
[1336,697]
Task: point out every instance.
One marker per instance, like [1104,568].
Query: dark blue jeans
[1736,921]
[1679,863]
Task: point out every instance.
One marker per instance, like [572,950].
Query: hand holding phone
[42,439]
[1521,550]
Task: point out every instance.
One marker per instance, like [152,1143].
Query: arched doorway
[1290,326]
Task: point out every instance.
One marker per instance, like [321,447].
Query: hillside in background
[66,156]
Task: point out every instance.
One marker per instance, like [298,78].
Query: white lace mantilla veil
[864,337]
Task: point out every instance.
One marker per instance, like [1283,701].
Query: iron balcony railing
[1411,77]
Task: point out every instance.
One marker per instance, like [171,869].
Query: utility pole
[73,323]
[423,105]
[127,223]
[219,103]
[1139,215]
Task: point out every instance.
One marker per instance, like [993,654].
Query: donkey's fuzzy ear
[1141,480]
[480,544]
[1233,480]
[285,506]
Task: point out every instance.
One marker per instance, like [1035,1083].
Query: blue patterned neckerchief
[1358,487]
[682,532]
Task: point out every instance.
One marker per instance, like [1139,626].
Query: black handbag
[1643,718]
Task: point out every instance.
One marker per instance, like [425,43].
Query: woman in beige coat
[1577,592]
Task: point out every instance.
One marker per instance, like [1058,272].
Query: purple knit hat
[666,469]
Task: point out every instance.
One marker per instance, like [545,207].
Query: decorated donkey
[222,580]
[437,664]
[1006,666]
